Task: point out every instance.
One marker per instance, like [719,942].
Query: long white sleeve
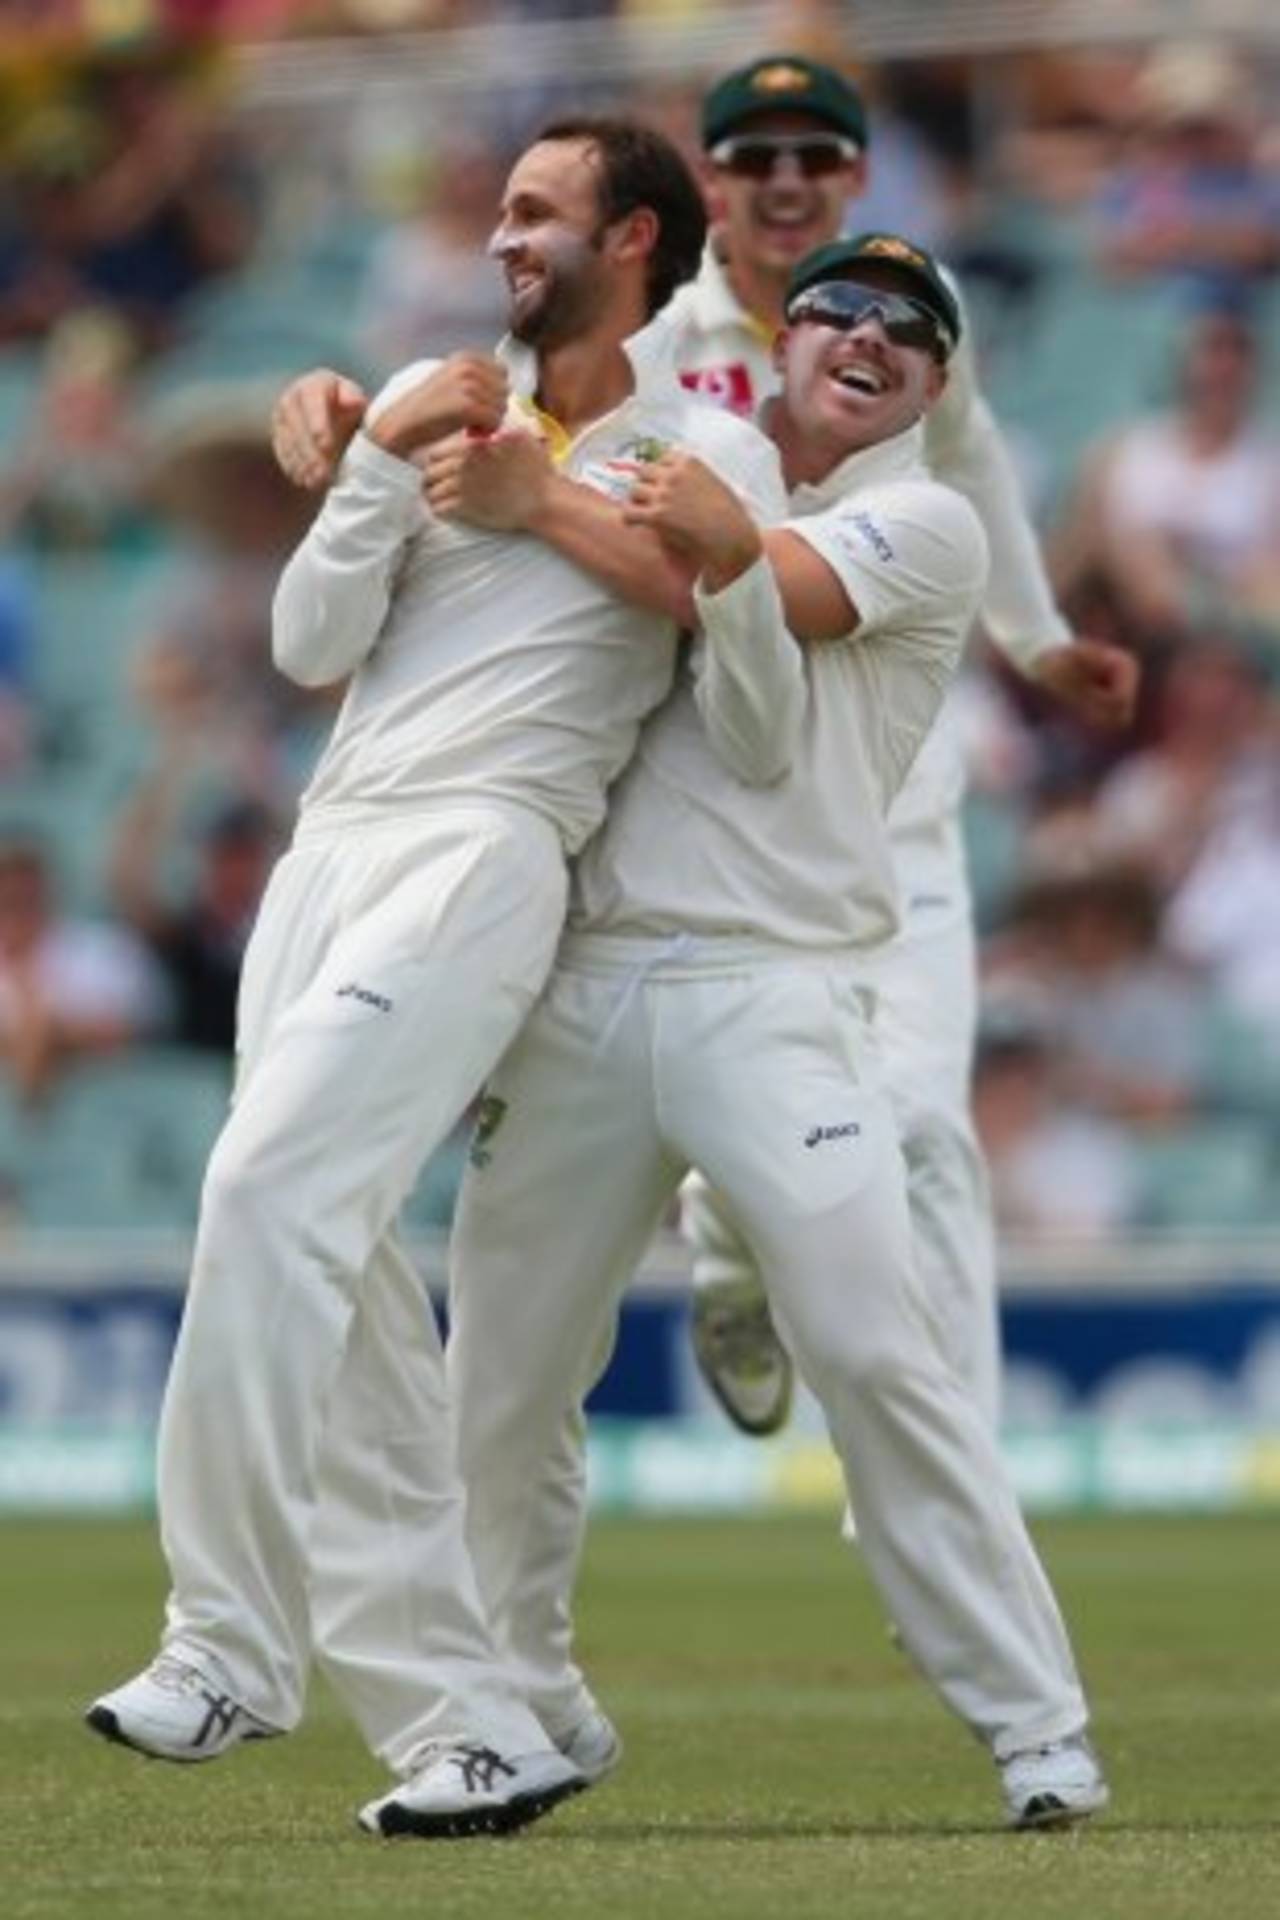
[965,448]
[750,684]
[333,595]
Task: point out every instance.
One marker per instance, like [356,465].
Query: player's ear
[857,177]
[638,233]
[938,376]
[778,352]
[712,193]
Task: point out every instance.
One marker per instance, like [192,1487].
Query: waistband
[680,955]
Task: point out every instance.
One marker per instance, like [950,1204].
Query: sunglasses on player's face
[844,304]
[753,156]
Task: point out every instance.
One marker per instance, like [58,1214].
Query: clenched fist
[467,392]
[498,483]
[696,515]
[1098,682]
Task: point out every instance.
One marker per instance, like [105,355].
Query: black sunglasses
[753,156]
[844,305]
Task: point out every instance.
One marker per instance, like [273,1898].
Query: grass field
[782,1759]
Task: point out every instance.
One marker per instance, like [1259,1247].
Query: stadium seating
[1211,1175]
[123,1143]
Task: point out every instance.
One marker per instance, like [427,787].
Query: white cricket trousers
[309,1498]
[926,1012]
[634,1066]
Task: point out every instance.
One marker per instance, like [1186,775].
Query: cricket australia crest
[490,1115]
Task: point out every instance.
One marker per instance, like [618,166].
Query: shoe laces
[479,1765]
[174,1675]
[1073,1743]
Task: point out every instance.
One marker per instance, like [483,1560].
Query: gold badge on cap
[780,79]
[891,248]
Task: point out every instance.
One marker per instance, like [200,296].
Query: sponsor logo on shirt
[842,1130]
[490,1115]
[365,995]
[612,477]
[729,386]
[871,533]
[615,475]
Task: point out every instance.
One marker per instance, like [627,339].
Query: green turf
[782,1759]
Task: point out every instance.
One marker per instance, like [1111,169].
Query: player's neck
[807,457]
[583,380]
[759,289]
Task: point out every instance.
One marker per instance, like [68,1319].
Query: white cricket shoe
[593,1744]
[740,1356]
[464,1789]
[175,1710]
[1054,1785]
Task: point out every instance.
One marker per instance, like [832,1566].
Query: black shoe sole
[397,1822]
[1047,1814]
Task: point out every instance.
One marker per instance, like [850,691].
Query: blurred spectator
[128,190]
[68,988]
[75,480]
[430,287]
[1121,1014]
[1192,203]
[17,639]
[204,672]
[1179,513]
[1210,770]
[1059,149]
[1201,809]
[199,942]
[1054,1169]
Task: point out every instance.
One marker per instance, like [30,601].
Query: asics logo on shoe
[220,1718]
[480,1767]
[845,1130]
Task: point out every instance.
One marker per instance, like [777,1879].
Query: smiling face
[550,242]
[770,224]
[848,390]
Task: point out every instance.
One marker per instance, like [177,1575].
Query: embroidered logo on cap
[780,79]
[890,247]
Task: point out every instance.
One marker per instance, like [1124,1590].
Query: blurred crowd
[168,258]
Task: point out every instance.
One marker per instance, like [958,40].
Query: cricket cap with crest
[914,270]
[783,83]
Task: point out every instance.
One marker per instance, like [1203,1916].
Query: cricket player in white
[706,1010]
[785,142]
[308,1493]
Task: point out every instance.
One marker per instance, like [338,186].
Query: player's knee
[239,1190]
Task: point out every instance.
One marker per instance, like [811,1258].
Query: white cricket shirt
[807,861]
[484,664]
[725,353]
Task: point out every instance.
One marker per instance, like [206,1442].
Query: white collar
[713,299]
[651,352]
[900,458]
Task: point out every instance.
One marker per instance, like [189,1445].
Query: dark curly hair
[642,168]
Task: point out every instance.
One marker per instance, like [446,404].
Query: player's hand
[1096,681]
[466,393]
[696,515]
[312,423]
[498,483]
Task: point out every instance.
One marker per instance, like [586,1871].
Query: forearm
[333,595]
[587,528]
[1019,611]
[751,689]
